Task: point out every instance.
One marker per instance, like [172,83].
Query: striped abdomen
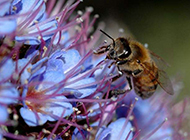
[146,83]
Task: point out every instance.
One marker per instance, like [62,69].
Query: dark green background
[163,24]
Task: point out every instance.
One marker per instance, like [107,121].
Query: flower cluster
[52,86]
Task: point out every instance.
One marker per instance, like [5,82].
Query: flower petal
[7,69]
[63,39]
[51,78]
[4,114]
[103,134]
[84,91]
[9,93]
[77,135]
[4,7]
[30,117]
[116,128]
[71,57]
[35,40]
[7,26]
[59,107]
[26,5]
[26,72]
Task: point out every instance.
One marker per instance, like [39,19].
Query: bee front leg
[129,82]
[101,50]
[117,76]
[111,64]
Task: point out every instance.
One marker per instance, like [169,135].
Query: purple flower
[116,130]
[8,93]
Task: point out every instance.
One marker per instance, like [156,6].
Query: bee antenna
[108,36]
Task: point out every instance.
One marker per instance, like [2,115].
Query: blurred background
[163,24]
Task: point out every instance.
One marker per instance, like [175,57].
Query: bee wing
[163,79]
[165,82]
[161,64]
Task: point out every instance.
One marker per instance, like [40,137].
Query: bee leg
[129,82]
[117,76]
[101,50]
[121,62]
[111,64]
[116,92]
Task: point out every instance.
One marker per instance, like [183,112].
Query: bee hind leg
[116,92]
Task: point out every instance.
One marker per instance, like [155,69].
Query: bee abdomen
[145,91]
[145,86]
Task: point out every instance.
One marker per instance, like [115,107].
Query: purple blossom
[53,87]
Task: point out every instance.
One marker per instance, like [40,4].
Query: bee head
[122,48]
[119,49]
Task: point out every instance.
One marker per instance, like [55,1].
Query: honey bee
[136,62]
